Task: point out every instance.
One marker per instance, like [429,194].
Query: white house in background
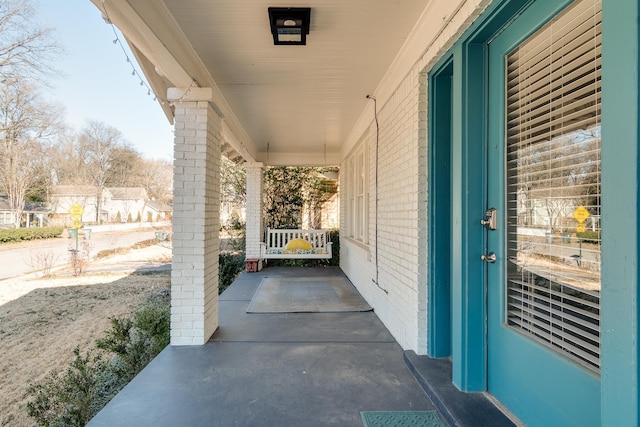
[64,196]
[125,204]
[6,217]
[34,214]
[156,211]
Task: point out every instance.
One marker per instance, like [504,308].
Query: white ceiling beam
[230,138]
[299,159]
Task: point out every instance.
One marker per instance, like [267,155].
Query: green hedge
[230,265]
[22,234]
[590,236]
[71,398]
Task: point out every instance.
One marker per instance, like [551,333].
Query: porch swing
[296,243]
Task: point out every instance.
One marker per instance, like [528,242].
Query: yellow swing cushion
[298,245]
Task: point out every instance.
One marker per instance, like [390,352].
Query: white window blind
[553,184]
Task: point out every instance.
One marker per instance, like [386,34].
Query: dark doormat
[306,295]
[401,419]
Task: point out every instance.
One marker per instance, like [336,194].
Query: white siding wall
[126,208]
[401,298]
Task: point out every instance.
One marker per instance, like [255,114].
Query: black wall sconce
[289,25]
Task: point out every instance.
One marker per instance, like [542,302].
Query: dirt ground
[43,320]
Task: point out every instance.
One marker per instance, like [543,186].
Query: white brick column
[254,209]
[196,217]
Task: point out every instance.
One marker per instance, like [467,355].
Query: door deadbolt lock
[490,257]
[490,219]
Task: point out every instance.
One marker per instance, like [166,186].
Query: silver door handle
[490,220]
[490,257]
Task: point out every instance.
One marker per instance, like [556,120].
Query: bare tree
[67,161]
[100,157]
[559,175]
[98,141]
[233,182]
[157,178]
[77,159]
[26,123]
[127,167]
[26,49]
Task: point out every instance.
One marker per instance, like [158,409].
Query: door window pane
[553,184]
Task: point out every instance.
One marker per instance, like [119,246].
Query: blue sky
[96,81]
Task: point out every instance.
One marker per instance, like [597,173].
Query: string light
[186,92]
[135,72]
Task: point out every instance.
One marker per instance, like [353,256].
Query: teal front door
[543,250]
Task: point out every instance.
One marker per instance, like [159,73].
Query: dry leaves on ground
[40,329]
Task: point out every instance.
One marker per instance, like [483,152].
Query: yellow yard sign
[581,214]
[76,211]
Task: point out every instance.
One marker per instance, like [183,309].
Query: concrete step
[459,409]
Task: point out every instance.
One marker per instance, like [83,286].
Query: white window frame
[357,187]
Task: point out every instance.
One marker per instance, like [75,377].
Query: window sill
[358,243]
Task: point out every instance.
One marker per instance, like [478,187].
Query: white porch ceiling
[281,104]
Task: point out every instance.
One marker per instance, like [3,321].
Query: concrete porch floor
[290,369]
